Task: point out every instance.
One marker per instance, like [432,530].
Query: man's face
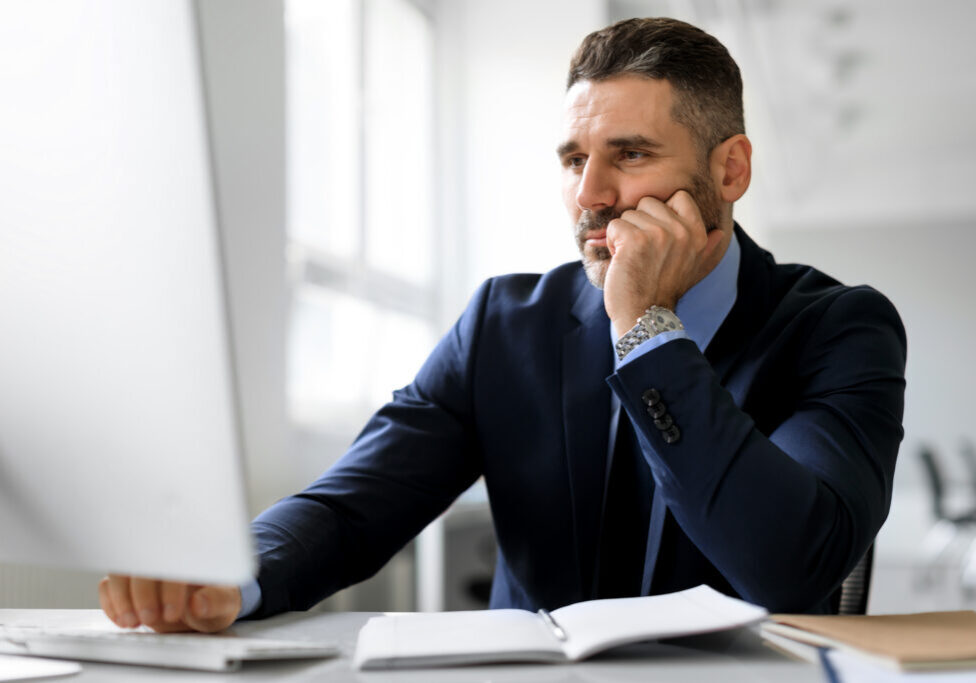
[621,144]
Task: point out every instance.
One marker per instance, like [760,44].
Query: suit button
[657,410]
[671,435]
[664,422]
[651,397]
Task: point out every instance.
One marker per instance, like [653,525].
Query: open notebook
[570,633]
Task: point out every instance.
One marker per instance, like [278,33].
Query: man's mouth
[596,238]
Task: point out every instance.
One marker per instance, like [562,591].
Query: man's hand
[166,606]
[658,252]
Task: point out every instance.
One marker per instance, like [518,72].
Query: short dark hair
[706,80]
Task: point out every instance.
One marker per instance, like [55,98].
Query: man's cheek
[569,197]
[662,191]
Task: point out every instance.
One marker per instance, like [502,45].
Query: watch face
[654,321]
[661,320]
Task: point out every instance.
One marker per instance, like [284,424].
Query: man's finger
[686,208]
[145,600]
[213,608]
[616,230]
[655,208]
[118,592]
[105,600]
[652,213]
[172,597]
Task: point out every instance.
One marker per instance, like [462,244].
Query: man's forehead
[621,106]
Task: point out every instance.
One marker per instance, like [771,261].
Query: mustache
[590,221]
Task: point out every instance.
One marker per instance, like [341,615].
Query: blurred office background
[375,160]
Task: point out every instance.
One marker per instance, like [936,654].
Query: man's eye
[632,155]
[574,162]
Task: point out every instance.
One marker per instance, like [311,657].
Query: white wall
[503,72]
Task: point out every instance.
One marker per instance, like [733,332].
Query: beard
[596,260]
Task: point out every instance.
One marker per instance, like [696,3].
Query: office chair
[967,578]
[948,528]
[853,598]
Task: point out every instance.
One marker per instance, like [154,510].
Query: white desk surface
[728,657]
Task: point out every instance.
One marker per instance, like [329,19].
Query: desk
[729,657]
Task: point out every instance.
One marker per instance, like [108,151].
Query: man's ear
[731,166]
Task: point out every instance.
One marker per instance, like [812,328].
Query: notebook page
[402,640]
[597,625]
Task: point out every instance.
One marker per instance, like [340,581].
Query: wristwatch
[655,320]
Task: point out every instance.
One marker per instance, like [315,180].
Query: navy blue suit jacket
[790,424]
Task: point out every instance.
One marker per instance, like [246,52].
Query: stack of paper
[841,666]
[928,641]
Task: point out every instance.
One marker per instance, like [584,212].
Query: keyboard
[198,651]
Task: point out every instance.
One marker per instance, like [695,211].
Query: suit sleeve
[413,458]
[784,515]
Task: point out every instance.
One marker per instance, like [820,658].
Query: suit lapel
[587,361]
[748,314]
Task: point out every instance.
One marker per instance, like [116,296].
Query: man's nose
[596,189]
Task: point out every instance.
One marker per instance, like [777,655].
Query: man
[708,417]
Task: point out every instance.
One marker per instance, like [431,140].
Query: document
[841,666]
[569,633]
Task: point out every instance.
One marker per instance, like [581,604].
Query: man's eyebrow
[641,141]
[567,147]
[633,141]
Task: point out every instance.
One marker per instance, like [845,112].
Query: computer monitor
[119,440]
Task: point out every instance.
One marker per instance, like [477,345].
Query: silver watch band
[655,320]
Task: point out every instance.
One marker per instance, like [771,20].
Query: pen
[557,630]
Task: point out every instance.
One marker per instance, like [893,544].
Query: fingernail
[203,607]
[147,616]
[129,620]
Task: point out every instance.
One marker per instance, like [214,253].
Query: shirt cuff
[250,598]
[651,344]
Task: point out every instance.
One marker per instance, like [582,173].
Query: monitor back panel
[118,439]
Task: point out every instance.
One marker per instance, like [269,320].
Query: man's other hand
[659,249]
[167,606]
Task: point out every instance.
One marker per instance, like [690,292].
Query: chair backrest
[968,455]
[933,476]
[853,598]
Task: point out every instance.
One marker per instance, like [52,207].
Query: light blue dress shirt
[250,598]
[702,310]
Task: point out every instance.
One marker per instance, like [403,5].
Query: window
[361,229]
